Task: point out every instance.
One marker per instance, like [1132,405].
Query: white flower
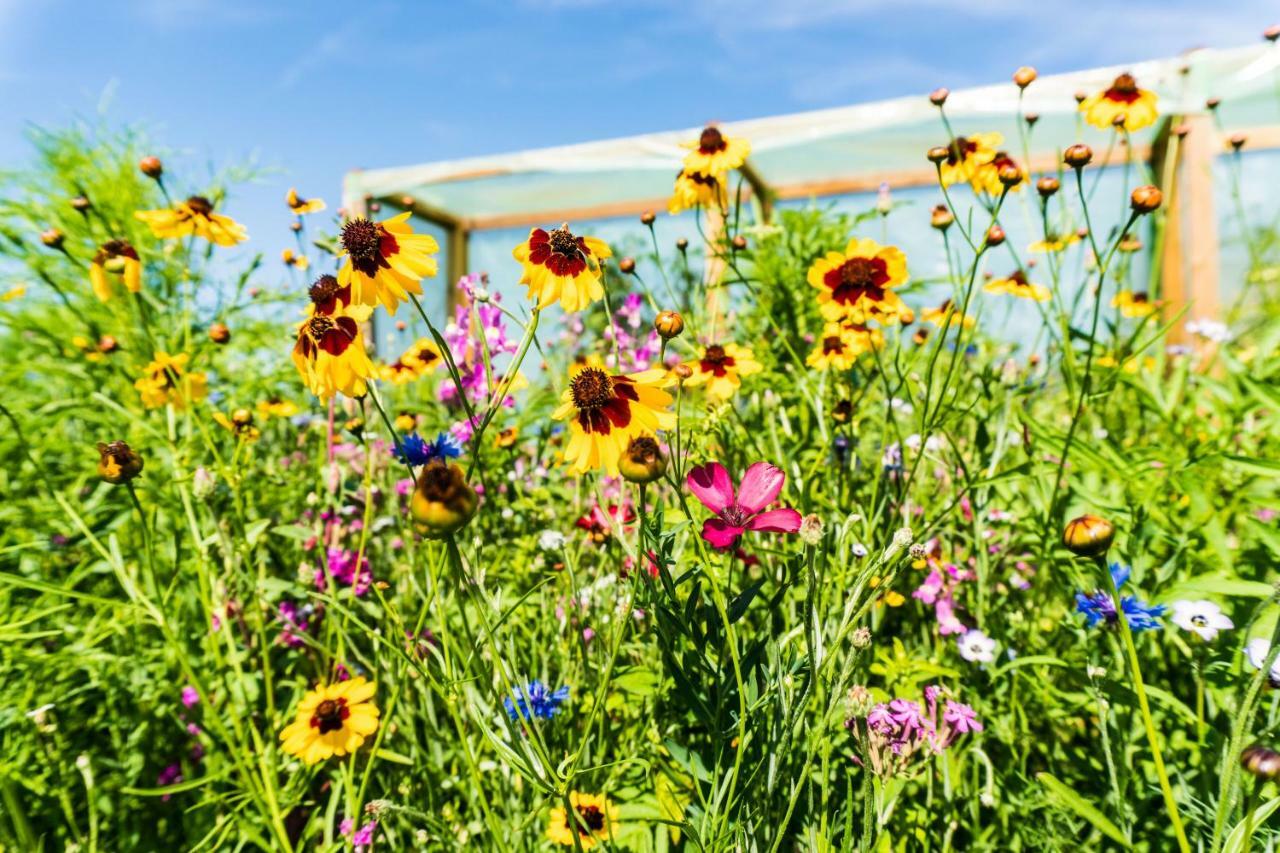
[1210,330]
[976,647]
[901,406]
[1201,617]
[1257,652]
[913,442]
[551,540]
[859,550]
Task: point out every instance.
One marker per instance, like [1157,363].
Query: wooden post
[1190,262]
[713,269]
[455,264]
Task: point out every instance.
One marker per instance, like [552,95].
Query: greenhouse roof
[816,153]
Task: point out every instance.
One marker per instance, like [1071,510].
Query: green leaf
[296,532]
[1217,583]
[1063,795]
[1261,467]
[1236,839]
[1030,660]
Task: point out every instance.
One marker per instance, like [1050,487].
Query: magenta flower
[736,514]
[961,718]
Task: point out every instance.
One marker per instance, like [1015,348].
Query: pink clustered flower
[901,732]
[190,697]
[477,327]
[631,352]
[340,565]
[362,838]
[939,589]
[737,513]
[297,621]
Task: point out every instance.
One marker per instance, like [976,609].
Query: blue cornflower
[1100,607]
[535,701]
[418,451]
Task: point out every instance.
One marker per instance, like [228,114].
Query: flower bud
[627,265]
[295,226]
[1237,141]
[442,501]
[1024,76]
[1118,120]
[1261,762]
[1272,32]
[1182,130]
[682,244]
[941,218]
[203,483]
[1080,95]
[647,218]
[53,238]
[242,417]
[406,422]
[1077,156]
[739,243]
[995,235]
[151,167]
[355,426]
[81,204]
[938,97]
[938,154]
[811,529]
[642,461]
[107,344]
[1047,186]
[401,325]
[1212,103]
[219,333]
[1145,199]
[1088,536]
[118,463]
[668,325]
[682,371]
[1010,176]
[1031,119]
[861,637]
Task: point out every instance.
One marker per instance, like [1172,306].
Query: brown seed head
[642,461]
[647,218]
[1010,176]
[118,463]
[627,265]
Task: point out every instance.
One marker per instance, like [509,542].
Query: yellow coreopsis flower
[1134,304]
[300,205]
[966,155]
[386,261]
[294,259]
[332,719]
[16,292]
[277,408]
[417,361]
[986,177]
[857,284]
[840,345]
[165,381]
[240,422]
[1122,98]
[593,817]
[713,153]
[115,258]
[1016,284]
[330,353]
[606,411]
[1054,243]
[560,266]
[721,368]
[938,316]
[695,188]
[194,216]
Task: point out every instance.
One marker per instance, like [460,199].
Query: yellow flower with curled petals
[115,258]
[605,411]
[1134,304]
[330,353]
[194,216]
[967,155]
[842,344]
[166,381]
[385,261]
[694,189]
[1016,284]
[857,284]
[300,205]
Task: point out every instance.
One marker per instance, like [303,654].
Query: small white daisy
[1201,617]
[976,647]
[1257,651]
[551,540]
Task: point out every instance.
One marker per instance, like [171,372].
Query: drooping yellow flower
[1016,284]
[593,817]
[721,368]
[938,316]
[330,353]
[194,216]
[857,284]
[1054,243]
[606,411]
[165,381]
[297,260]
[1134,304]
[332,720]
[560,266]
[713,153]
[966,155]
[386,261]
[841,344]
[1122,98]
[115,258]
[697,188]
[300,205]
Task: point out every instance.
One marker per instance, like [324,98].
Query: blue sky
[314,89]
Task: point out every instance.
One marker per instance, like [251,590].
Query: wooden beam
[456,264]
[1198,218]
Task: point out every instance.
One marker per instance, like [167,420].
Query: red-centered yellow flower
[606,411]
[386,261]
[115,258]
[330,353]
[714,153]
[858,284]
[194,216]
[418,360]
[938,316]
[593,817]
[1016,284]
[165,381]
[274,407]
[841,344]
[966,155]
[721,369]
[1123,98]
[1054,243]
[300,205]
[1134,304]
[986,177]
[294,259]
[332,719]
[695,189]
[240,422]
[560,266]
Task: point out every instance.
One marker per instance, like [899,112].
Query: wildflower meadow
[736,542]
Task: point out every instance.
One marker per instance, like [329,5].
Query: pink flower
[189,696]
[735,514]
[961,718]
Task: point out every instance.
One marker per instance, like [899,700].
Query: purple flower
[881,719]
[170,775]
[362,838]
[961,718]
[535,701]
[341,565]
[190,697]
[1099,607]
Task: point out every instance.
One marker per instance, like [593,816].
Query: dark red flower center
[699,178]
[1003,159]
[115,249]
[591,817]
[716,361]
[368,245]
[1123,90]
[959,149]
[559,250]
[712,141]
[324,293]
[602,401]
[643,450]
[1140,298]
[592,389]
[1019,278]
[331,334]
[329,715]
[832,343]
[200,205]
[858,278]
